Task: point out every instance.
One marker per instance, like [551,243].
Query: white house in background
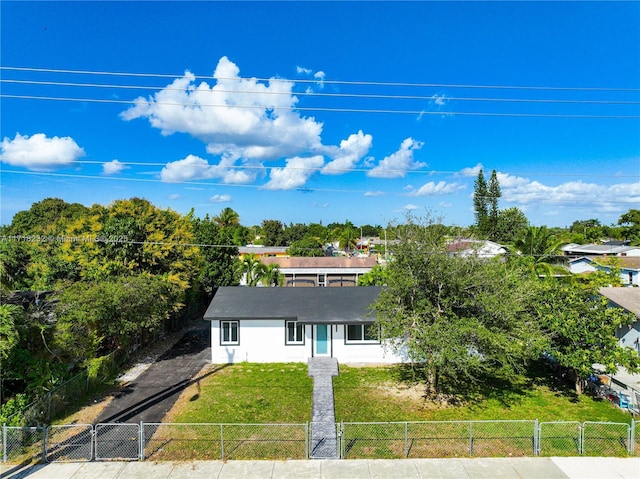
[629,299]
[574,249]
[474,247]
[293,324]
[629,267]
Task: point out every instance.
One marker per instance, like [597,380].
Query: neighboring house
[263,251]
[469,247]
[629,267]
[629,299]
[293,324]
[322,271]
[608,249]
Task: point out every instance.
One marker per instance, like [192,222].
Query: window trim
[286,333]
[359,341]
[230,342]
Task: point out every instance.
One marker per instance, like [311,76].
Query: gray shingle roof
[308,305]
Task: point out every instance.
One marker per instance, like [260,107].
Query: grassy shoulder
[282,393]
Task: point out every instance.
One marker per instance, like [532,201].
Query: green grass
[247,393]
[385,394]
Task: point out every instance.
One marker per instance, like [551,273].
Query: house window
[229,333]
[294,332]
[322,280]
[361,333]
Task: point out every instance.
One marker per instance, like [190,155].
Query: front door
[321,340]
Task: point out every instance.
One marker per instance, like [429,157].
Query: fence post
[44,443]
[536,438]
[406,439]
[221,442]
[581,439]
[48,418]
[307,453]
[632,436]
[470,438]
[141,442]
[4,443]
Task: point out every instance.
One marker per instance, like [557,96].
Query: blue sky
[323,111]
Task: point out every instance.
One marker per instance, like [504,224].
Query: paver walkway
[324,441]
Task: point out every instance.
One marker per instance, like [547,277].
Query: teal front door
[322,340]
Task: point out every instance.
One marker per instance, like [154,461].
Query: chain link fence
[430,439]
[22,444]
[438,439]
[69,443]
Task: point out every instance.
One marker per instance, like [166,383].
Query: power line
[346,170]
[324,109]
[322,94]
[262,187]
[324,81]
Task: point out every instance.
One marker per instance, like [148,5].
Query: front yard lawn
[282,393]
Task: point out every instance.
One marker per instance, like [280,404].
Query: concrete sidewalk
[480,468]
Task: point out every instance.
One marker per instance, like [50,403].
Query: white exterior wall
[263,341]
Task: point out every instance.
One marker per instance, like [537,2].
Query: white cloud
[195,168]
[438,99]
[591,196]
[220,198]
[174,196]
[295,174]
[441,188]
[397,164]
[190,168]
[410,207]
[113,167]
[374,193]
[473,171]
[303,70]
[319,75]
[350,152]
[40,153]
[238,118]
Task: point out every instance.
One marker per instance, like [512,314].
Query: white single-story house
[293,324]
[629,299]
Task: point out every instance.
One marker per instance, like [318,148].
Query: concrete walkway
[480,468]
[324,441]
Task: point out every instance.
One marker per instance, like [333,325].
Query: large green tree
[307,246]
[582,327]
[481,202]
[462,318]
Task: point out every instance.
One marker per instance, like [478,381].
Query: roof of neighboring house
[467,246]
[308,305]
[627,298]
[597,249]
[259,249]
[323,262]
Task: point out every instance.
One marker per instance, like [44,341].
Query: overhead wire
[345,170]
[324,81]
[329,109]
[320,94]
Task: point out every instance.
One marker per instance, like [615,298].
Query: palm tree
[542,250]
[252,269]
[227,217]
[272,275]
